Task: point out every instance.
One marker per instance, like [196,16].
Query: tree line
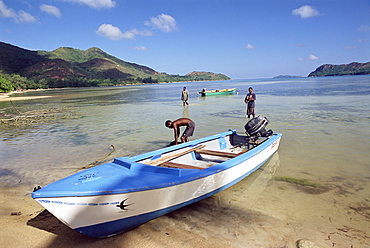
[13,82]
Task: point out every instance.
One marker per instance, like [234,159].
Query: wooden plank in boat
[172,156]
[217,153]
[180,166]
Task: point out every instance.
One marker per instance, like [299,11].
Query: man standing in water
[188,123]
[185,96]
[250,99]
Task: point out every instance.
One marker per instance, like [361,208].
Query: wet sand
[257,212]
[4,98]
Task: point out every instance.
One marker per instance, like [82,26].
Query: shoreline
[7,96]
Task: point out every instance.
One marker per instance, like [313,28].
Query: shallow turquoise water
[325,124]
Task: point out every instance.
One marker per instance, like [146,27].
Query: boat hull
[221,92]
[107,213]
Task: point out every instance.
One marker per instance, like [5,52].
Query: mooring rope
[95,163]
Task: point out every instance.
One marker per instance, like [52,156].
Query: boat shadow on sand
[210,217]
[205,219]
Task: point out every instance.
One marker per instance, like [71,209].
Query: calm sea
[325,124]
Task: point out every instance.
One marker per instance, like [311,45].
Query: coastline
[7,96]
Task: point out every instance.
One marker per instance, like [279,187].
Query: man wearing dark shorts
[188,123]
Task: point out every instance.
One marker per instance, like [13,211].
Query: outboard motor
[256,127]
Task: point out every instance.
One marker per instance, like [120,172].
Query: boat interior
[206,154]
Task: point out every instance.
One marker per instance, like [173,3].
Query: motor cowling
[257,127]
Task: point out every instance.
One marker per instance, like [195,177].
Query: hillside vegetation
[68,67]
[341,70]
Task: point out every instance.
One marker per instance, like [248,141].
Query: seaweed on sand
[35,117]
[304,185]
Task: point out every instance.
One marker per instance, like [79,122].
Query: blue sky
[243,39]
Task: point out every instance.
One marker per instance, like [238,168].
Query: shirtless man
[185,96]
[188,123]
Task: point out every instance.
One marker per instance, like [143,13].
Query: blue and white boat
[118,196]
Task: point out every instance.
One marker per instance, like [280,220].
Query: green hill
[14,59]
[341,70]
[69,67]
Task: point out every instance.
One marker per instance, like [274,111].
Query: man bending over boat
[189,130]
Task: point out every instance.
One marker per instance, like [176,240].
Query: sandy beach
[257,212]
[8,97]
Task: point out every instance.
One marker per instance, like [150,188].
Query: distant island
[287,76]
[353,68]
[68,67]
[326,70]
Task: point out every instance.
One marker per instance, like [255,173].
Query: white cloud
[165,23]
[49,9]
[141,33]
[5,11]
[140,48]
[24,17]
[19,17]
[250,46]
[110,31]
[306,11]
[96,4]
[114,33]
[310,57]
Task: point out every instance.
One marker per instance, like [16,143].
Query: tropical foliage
[15,82]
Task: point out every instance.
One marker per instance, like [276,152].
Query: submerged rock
[304,243]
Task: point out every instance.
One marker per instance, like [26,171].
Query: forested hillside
[342,70]
[68,67]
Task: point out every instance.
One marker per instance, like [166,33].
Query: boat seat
[179,166]
[217,153]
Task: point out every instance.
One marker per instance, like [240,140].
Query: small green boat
[217,92]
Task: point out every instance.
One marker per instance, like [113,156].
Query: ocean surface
[325,124]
